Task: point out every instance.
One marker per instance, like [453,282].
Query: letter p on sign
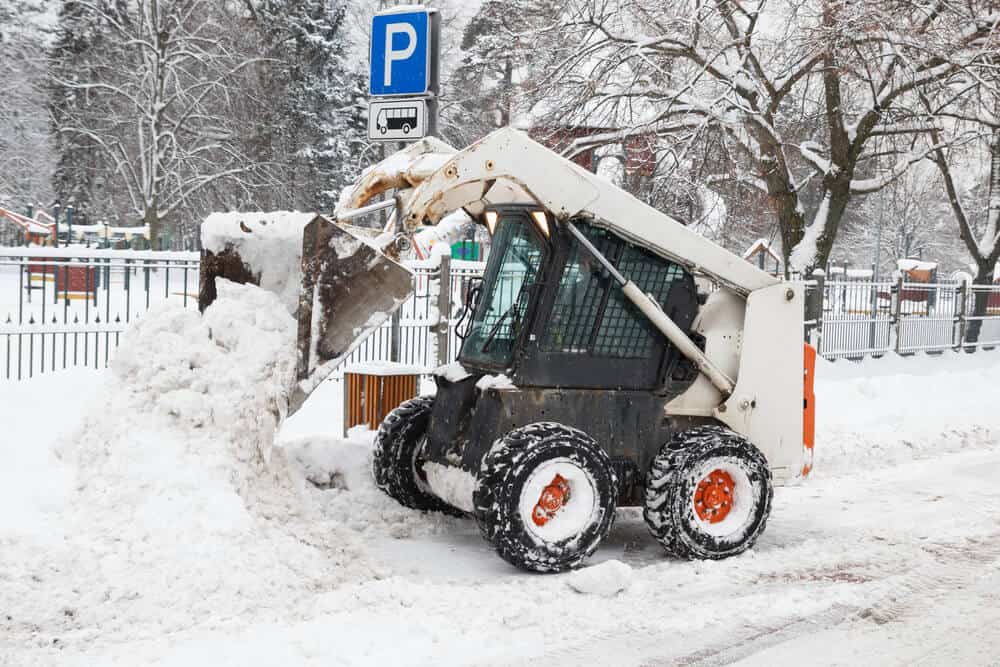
[400,53]
[391,54]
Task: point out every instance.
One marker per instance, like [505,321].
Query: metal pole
[444,310]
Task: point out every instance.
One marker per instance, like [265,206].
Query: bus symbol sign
[397,120]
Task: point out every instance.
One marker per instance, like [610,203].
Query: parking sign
[402,53]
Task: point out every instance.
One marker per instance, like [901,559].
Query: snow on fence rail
[62,307]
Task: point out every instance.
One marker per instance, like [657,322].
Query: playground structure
[41,229]
[73,282]
[37,230]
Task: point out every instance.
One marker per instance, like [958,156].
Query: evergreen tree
[500,52]
[318,99]
[80,166]
[25,151]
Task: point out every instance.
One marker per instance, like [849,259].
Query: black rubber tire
[395,461]
[671,483]
[507,467]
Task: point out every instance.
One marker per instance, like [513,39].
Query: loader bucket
[340,286]
[349,288]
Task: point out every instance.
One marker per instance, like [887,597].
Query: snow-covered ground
[146,519]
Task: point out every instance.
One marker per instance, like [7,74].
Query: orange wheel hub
[551,500]
[713,499]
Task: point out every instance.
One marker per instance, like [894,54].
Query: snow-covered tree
[25,150]
[498,53]
[152,97]
[316,98]
[974,196]
[800,91]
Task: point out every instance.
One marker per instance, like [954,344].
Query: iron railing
[866,318]
[69,307]
[62,307]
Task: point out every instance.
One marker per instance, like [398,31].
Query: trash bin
[374,389]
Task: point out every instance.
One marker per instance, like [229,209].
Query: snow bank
[269,243]
[35,484]
[891,409]
[178,510]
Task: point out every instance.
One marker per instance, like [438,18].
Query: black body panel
[578,352]
[466,421]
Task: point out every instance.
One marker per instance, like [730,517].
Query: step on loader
[610,357]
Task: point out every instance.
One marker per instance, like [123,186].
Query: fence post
[814,307]
[897,314]
[444,310]
[963,290]
[394,336]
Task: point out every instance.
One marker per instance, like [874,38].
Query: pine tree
[500,51]
[25,152]
[318,97]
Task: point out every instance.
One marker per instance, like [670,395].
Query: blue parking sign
[400,53]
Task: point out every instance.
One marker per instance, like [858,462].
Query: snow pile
[230,370]
[453,485]
[342,490]
[183,512]
[270,244]
[35,485]
[892,409]
[605,579]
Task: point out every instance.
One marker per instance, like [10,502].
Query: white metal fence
[866,318]
[68,307]
[61,308]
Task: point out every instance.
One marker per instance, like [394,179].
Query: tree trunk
[981,299]
[152,219]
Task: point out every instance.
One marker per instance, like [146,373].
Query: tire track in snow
[890,586]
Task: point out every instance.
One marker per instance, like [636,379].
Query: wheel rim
[713,497]
[558,500]
[723,497]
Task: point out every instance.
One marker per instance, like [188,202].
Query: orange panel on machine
[809,404]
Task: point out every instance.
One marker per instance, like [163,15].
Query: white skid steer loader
[594,372]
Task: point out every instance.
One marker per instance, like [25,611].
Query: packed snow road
[144,522]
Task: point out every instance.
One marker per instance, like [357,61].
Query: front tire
[396,463]
[545,497]
[708,494]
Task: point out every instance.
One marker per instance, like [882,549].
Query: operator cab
[548,315]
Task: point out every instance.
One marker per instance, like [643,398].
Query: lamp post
[69,224]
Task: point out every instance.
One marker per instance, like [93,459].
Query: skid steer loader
[610,357]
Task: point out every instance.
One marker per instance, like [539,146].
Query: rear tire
[511,502]
[396,463]
[708,494]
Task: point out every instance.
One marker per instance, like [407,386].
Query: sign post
[403,74]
